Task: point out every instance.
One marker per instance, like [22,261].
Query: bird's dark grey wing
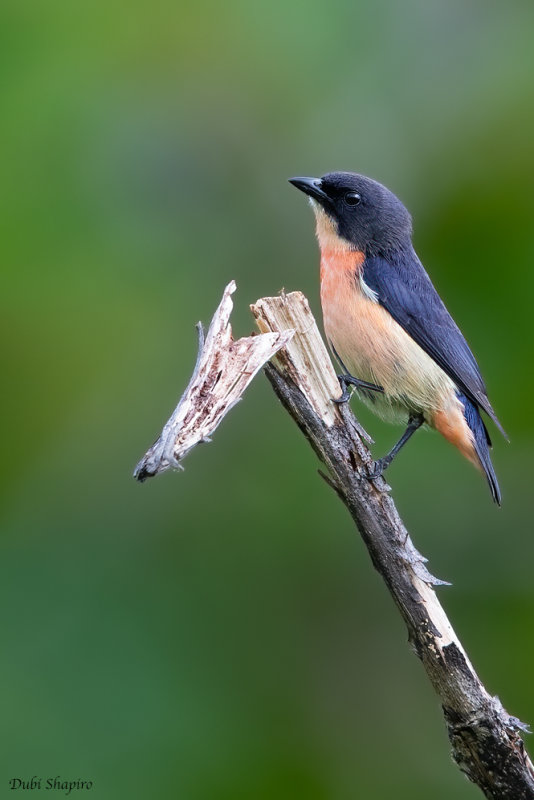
[404,289]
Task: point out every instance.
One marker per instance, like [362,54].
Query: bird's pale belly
[375,348]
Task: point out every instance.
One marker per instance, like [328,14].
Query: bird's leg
[381,464]
[346,379]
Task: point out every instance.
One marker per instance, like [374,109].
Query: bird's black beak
[311,187]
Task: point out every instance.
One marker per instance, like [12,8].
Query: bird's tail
[482,444]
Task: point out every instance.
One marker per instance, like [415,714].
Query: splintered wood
[305,360]
[223,371]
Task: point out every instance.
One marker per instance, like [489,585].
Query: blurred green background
[220,634]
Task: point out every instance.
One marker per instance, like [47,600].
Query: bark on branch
[485,739]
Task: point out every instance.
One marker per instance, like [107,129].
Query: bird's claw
[376,469]
[345,397]
[347,380]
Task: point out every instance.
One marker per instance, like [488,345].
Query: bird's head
[354,212]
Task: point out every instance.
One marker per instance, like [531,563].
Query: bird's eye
[352,198]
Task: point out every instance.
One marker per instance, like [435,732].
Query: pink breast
[338,284]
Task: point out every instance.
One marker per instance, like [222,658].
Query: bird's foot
[347,380]
[377,468]
[345,395]
[381,464]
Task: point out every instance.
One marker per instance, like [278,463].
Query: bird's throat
[326,231]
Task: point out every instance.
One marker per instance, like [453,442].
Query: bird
[386,324]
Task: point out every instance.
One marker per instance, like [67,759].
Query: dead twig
[223,370]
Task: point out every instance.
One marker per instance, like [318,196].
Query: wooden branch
[223,371]
[485,739]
